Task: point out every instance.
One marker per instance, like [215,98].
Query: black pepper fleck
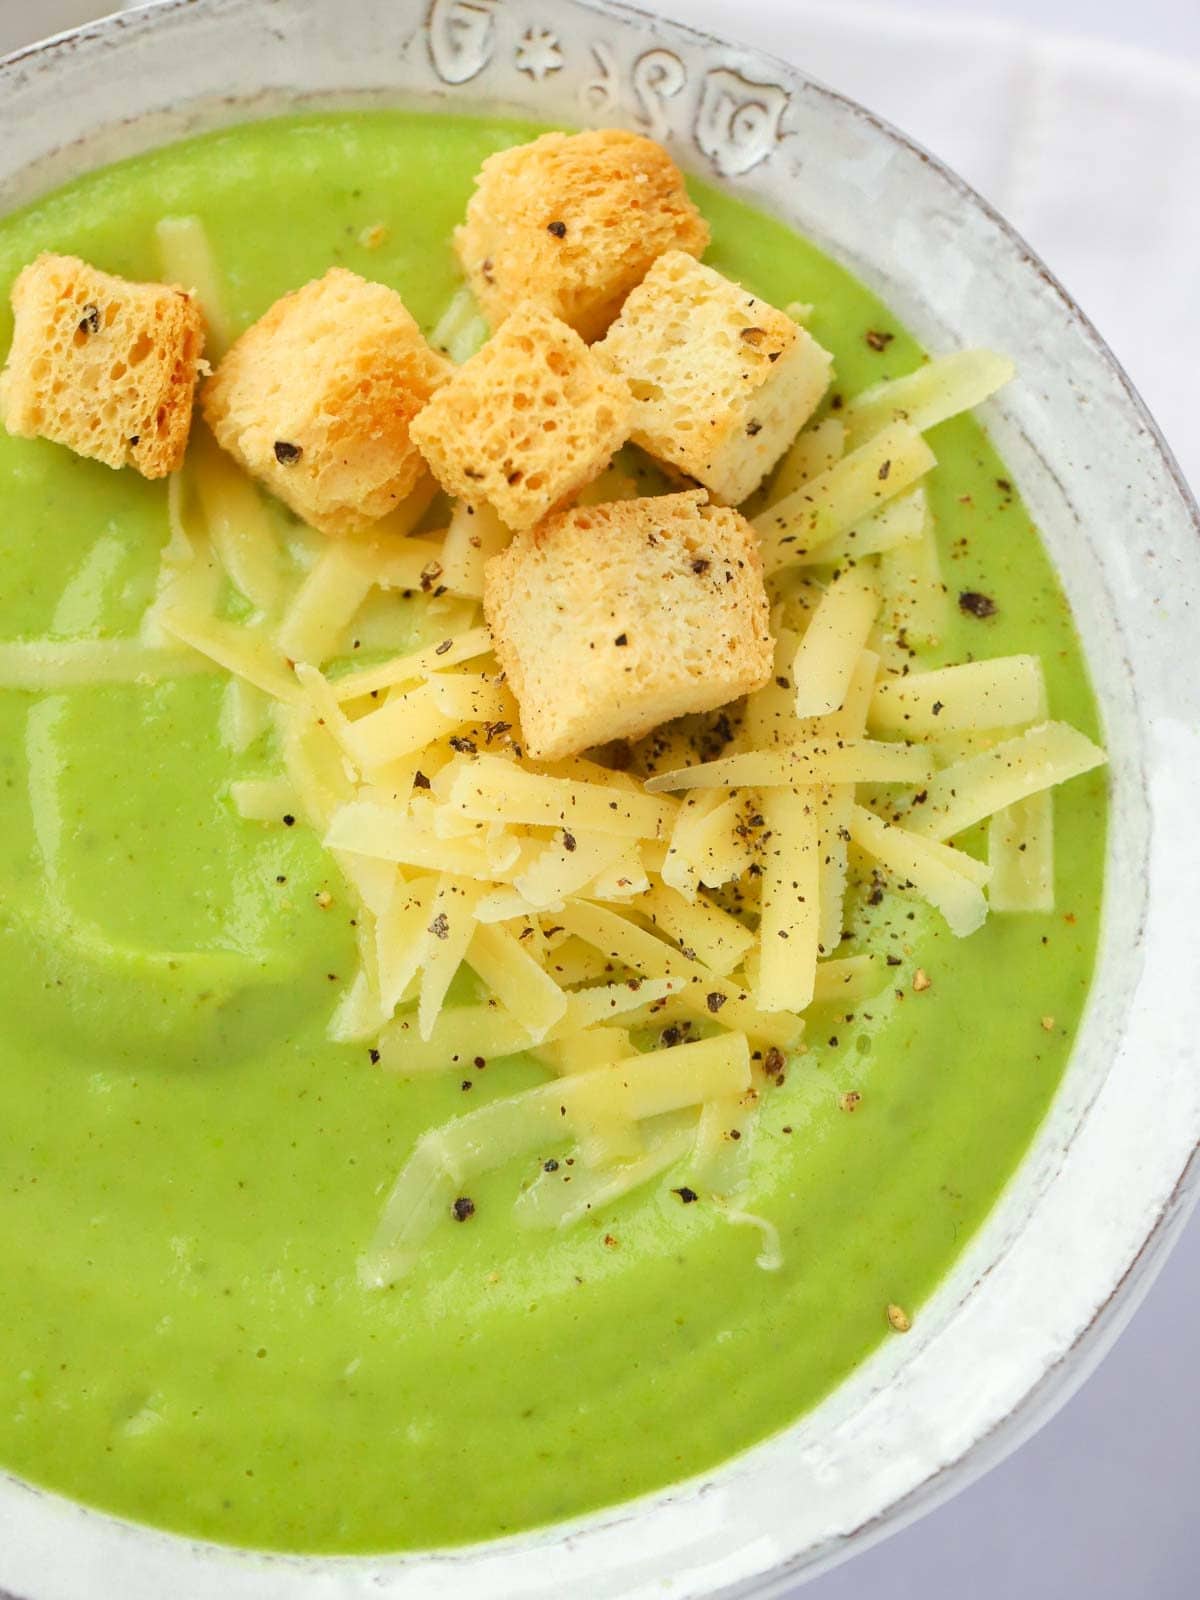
[462,1209]
[287,454]
[976,604]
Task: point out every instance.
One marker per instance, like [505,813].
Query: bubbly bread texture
[316,400]
[102,365]
[574,221]
[613,619]
[721,381]
[527,422]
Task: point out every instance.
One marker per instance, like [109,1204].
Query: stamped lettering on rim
[657,76]
[598,93]
[738,123]
[538,54]
[461,37]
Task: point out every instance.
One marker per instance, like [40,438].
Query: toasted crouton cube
[317,397]
[574,221]
[722,382]
[526,422]
[102,365]
[612,619]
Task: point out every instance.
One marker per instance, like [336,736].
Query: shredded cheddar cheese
[653,936]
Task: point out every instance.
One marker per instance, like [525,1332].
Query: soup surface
[189,1169]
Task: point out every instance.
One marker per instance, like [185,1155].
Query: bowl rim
[1061,1377]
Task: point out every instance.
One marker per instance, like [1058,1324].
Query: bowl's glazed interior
[1060,1263]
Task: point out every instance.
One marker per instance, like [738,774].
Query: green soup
[188,1169]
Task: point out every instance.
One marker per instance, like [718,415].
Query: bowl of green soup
[960,1185]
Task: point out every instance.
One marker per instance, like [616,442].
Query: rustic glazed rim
[1059,1377]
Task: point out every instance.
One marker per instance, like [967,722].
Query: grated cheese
[949,879]
[516,979]
[688,899]
[1001,693]
[488,787]
[186,256]
[789,932]
[806,763]
[977,786]
[834,501]
[930,395]
[833,642]
[38,665]
[1021,855]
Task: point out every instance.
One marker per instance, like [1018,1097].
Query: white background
[1080,119]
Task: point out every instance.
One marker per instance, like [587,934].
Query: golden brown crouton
[612,619]
[103,365]
[574,221]
[526,422]
[721,381]
[316,400]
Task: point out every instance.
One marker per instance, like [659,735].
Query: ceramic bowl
[1076,1237]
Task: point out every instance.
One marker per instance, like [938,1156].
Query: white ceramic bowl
[1077,1236]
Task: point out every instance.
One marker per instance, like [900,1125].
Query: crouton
[612,619]
[721,381]
[526,422]
[574,221]
[315,400]
[102,365]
